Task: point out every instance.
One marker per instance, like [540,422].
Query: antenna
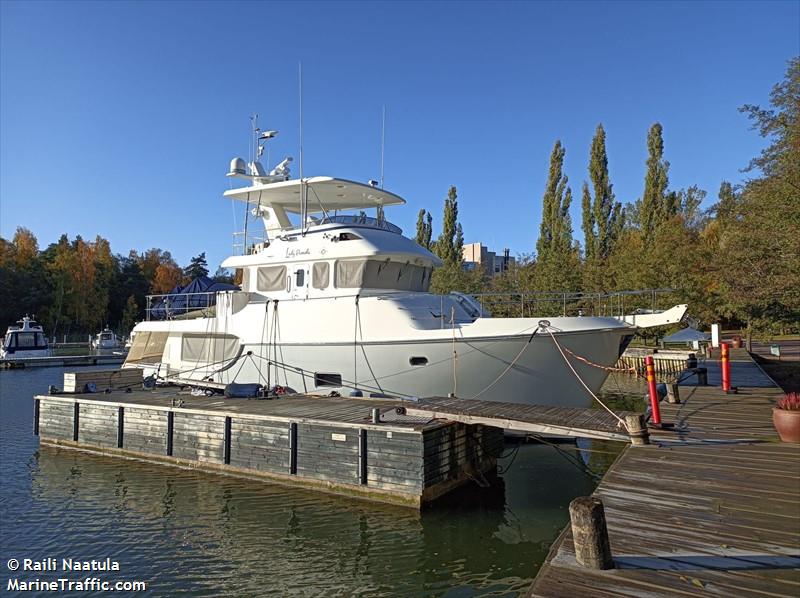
[383,140]
[303,190]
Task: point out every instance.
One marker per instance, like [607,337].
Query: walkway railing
[534,304]
[177,305]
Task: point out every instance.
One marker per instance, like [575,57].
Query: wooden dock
[407,452]
[61,361]
[324,443]
[712,508]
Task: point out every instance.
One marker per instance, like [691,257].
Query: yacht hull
[524,369]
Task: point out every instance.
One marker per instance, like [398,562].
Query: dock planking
[536,419]
[711,508]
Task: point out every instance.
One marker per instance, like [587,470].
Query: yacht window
[271,278]
[348,237]
[26,340]
[327,379]
[245,279]
[382,274]
[300,278]
[147,347]
[320,275]
[211,349]
[350,273]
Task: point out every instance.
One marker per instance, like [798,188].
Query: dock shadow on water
[204,534]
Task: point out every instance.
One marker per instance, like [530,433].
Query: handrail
[543,303]
[170,305]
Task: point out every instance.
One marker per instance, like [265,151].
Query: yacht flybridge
[332,299]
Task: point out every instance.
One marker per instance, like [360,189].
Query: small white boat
[23,340]
[106,339]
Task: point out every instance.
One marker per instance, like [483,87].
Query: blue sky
[121,118]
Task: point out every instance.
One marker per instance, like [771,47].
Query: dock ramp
[537,419]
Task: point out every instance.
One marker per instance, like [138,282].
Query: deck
[712,508]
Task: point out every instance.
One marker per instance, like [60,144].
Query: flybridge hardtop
[325,194]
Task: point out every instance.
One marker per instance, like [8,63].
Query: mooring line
[589,390]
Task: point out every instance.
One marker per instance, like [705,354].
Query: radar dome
[238,166]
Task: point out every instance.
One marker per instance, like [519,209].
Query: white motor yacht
[337,301]
[23,340]
[105,339]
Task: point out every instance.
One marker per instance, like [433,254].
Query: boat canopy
[323,192]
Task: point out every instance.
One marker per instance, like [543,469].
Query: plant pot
[787,423]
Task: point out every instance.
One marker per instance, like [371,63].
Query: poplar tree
[601,214]
[424,229]
[447,245]
[555,231]
[654,206]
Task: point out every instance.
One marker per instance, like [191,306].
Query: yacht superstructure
[341,302]
[23,340]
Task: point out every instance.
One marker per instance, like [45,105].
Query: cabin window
[382,274]
[320,275]
[211,349]
[245,284]
[26,340]
[271,278]
[299,279]
[147,347]
[327,379]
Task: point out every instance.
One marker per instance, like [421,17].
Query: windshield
[362,219]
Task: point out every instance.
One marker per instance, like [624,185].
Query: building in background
[477,256]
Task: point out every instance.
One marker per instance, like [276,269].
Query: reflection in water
[183,530]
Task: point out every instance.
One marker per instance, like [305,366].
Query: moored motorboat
[24,340]
[331,301]
[105,339]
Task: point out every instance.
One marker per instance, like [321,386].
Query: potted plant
[786,417]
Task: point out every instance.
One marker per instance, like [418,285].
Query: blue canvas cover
[181,300]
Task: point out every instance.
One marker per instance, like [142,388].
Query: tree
[557,264]
[447,245]
[762,238]
[223,275]
[601,214]
[555,231]
[26,247]
[781,157]
[166,278]
[651,209]
[725,208]
[424,229]
[198,266]
[129,316]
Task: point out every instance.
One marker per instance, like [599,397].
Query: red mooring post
[651,385]
[726,367]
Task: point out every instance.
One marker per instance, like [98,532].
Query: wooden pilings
[590,534]
[637,429]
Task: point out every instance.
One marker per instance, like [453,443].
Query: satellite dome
[238,166]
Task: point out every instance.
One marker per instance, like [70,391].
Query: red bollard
[726,367]
[651,385]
